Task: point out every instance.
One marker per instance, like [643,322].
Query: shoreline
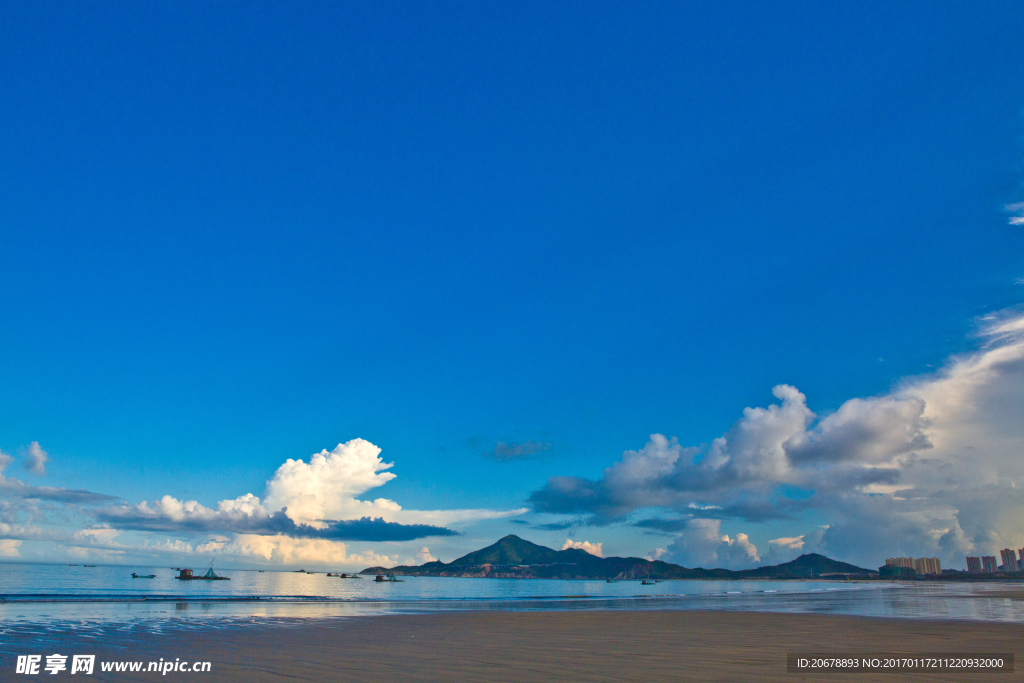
[492,646]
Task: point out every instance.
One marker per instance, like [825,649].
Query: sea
[50,599]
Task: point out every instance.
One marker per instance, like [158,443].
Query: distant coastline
[515,558]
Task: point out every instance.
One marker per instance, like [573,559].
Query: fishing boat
[208,575]
[645,582]
[143,576]
[348,576]
[390,578]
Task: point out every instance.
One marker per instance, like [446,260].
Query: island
[516,558]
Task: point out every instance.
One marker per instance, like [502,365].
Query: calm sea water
[59,596]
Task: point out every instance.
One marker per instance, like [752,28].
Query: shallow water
[49,599]
[38,583]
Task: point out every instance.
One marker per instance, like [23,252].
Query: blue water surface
[63,596]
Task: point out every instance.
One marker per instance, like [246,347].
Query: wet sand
[540,646]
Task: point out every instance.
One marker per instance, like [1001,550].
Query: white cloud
[314,500]
[936,462]
[35,459]
[1016,209]
[701,544]
[737,475]
[655,554]
[9,548]
[793,543]
[592,548]
[100,535]
[326,488]
[32,532]
[169,513]
[293,551]
[423,555]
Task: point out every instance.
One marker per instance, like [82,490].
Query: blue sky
[239,234]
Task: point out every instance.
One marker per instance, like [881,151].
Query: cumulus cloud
[655,554]
[863,431]
[326,487]
[702,544]
[35,459]
[936,462]
[314,500]
[293,551]
[592,548]
[9,548]
[423,555]
[743,473]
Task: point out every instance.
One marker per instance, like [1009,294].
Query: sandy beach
[541,646]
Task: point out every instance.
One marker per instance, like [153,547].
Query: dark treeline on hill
[514,558]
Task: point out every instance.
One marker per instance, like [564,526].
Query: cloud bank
[305,500]
[936,462]
[592,548]
[245,515]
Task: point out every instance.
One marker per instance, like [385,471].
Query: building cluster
[986,564]
[909,567]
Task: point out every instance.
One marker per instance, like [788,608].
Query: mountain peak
[515,557]
[509,550]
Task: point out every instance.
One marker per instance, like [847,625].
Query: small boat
[208,575]
[88,565]
[645,582]
[613,580]
[143,576]
[390,578]
[302,571]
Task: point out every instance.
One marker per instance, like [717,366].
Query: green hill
[811,564]
[514,557]
[513,550]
